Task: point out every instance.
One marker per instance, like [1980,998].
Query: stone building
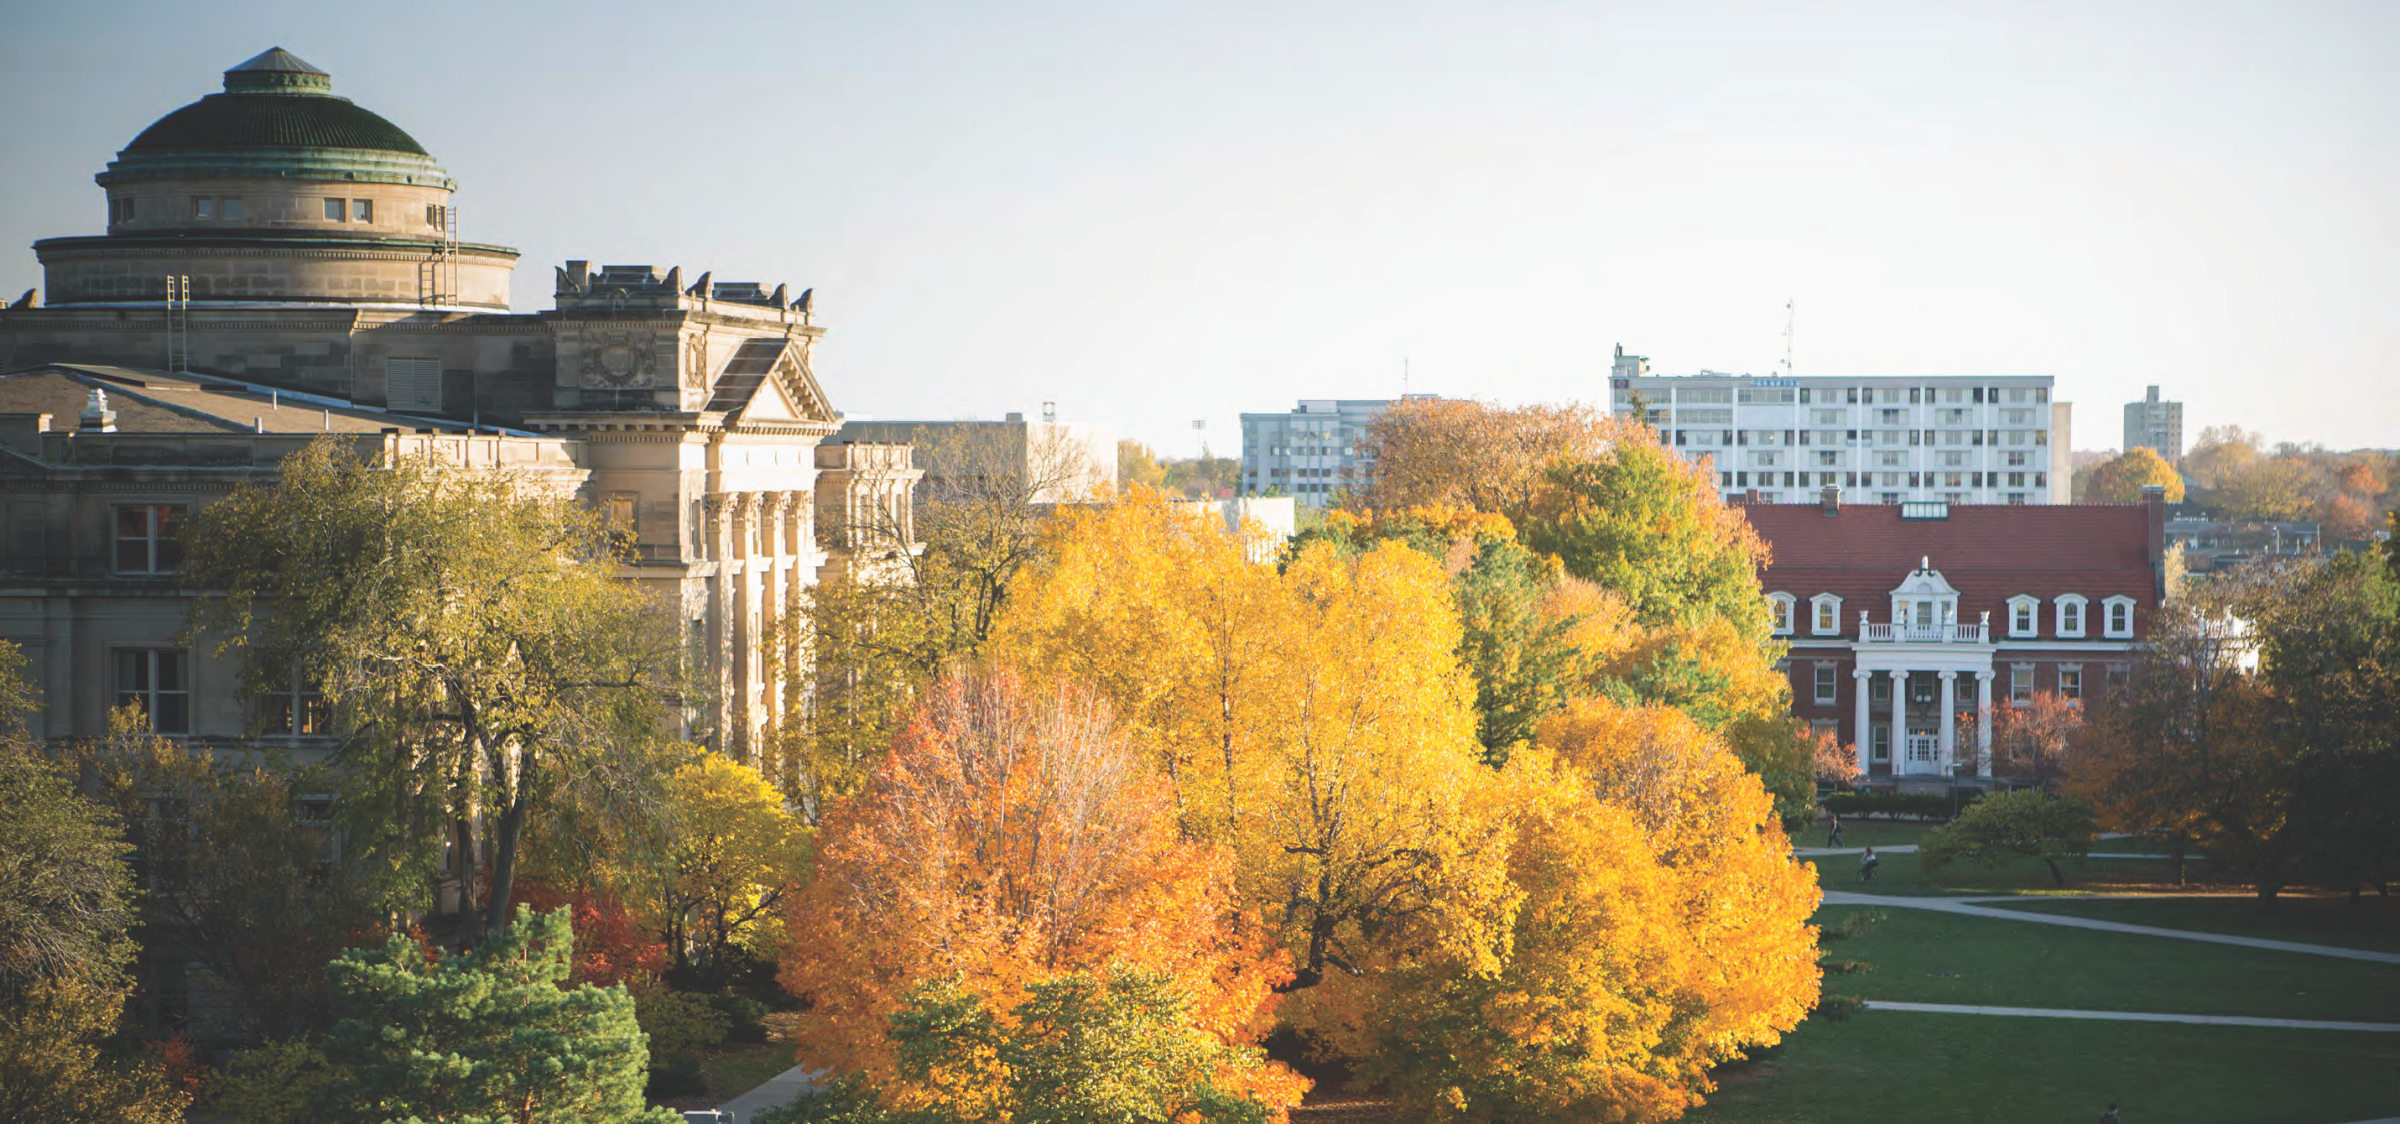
[278,263]
[1904,618]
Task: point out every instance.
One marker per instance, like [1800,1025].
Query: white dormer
[1780,605]
[1825,615]
[1925,600]
[2024,615]
[2071,608]
[2116,619]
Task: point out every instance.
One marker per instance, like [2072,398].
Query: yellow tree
[1315,719]
[734,854]
[1476,455]
[2122,478]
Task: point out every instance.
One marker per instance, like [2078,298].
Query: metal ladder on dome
[437,276]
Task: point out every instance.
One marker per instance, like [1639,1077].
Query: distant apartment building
[1966,440]
[1313,453]
[2154,425]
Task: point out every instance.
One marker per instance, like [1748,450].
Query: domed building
[277,192]
[320,287]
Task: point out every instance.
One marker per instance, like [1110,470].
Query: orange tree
[1011,837]
[2121,479]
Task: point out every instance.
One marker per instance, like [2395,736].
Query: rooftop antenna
[1404,376]
[1788,316]
[1049,412]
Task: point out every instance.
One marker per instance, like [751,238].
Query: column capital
[1898,673]
[1947,676]
[1861,673]
[1986,676]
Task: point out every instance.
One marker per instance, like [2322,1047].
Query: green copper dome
[276,119]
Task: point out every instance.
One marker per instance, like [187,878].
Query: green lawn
[1897,874]
[1929,957]
[1965,1069]
[2373,923]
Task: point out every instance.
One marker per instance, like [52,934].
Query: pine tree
[487,1037]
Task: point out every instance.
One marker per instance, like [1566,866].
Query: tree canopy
[2121,479]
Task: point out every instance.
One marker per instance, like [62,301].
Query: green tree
[243,869]
[1523,658]
[469,630]
[1644,523]
[2122,478]
[65,907]
[2026,823]
[482,1038]
[2330,656]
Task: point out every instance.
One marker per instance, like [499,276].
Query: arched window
[1825,615]
[2022,615]
[2116,621]
[2070,614]
[1781,605]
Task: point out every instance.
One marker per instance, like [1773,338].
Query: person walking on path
[1866,865]
[2110,1117]
[1833,828]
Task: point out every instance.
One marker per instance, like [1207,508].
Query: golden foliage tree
[1012,835]
[736,852]
[2121,479]
[1475,455]
[1315,720]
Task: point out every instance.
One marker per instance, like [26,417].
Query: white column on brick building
[1983,723]
[1862,736]
[1899,721]
[1949,726]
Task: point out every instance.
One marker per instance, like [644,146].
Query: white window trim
[1785,608]
[2033,605]
[2108,621]
[2083,615]
[1816,615]
[1817,674]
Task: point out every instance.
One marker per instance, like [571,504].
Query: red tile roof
[1989,553]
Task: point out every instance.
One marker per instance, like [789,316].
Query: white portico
[1920,653]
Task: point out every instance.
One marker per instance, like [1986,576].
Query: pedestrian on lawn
[1833,828]
[2110,1117]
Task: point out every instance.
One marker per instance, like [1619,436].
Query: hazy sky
[1153,213]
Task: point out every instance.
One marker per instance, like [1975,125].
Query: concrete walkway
[1911,848]
[780,1090]
[1954,905]
[2126,1016]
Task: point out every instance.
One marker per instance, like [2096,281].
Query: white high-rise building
[1312,454]
[1882,440]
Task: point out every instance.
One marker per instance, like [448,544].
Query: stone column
[1983,723]
[1861,732]
[745,631]
[719,536]
[1949,726]
[775,598]
[1899,721]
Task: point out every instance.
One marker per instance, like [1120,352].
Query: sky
[1155,214]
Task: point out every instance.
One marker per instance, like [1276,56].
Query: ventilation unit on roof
[1925,509]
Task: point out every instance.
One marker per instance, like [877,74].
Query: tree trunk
[2055,874]
[2178,848]
[504,861]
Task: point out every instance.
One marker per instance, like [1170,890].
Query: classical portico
[1918,656]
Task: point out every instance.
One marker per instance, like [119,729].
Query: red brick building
[1901,614]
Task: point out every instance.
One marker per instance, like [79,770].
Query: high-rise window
[146,541]
[158,680]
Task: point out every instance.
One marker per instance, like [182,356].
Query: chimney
[96,414]
[1750,496]
[1831,499]
[2154,507]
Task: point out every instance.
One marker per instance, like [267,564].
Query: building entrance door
[1923,750]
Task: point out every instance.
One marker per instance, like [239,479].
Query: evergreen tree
[487,1037]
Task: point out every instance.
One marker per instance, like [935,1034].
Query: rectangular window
[1826,684]
[146,538]
[362,210]
[335,210]
[298,712]
[230,208]
[1883,737]
[2070,683]
[204,208]
[1880,689]
[120,210]
[157,680]
[2020,683]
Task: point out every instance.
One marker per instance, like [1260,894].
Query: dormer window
[1781,605]
[2117,619]
[1825,615]
[2070,614]
[2022,620]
